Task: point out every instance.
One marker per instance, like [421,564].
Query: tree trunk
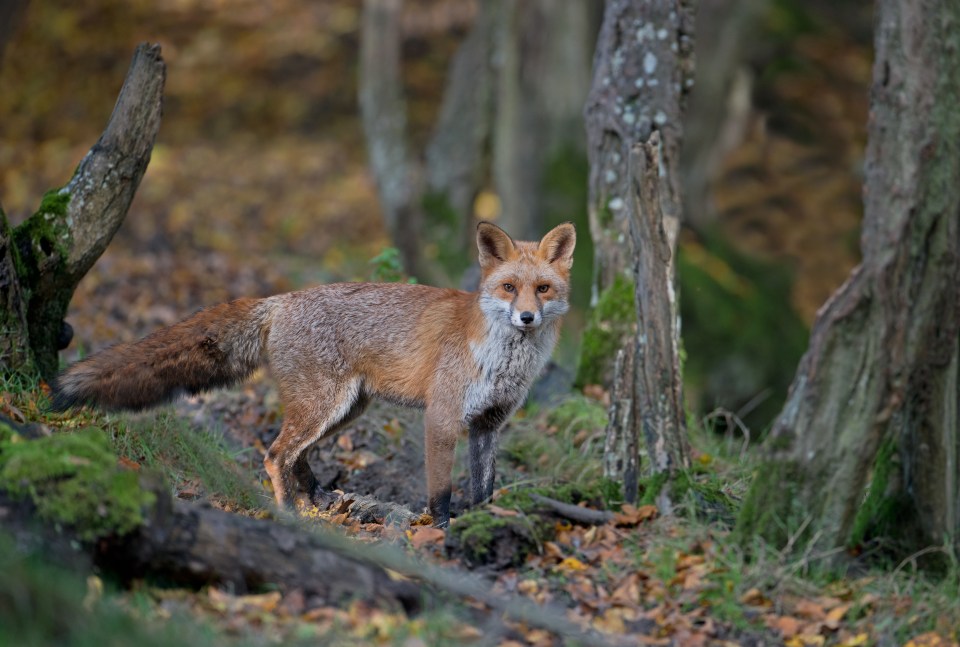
[56,246]
[642,72]
[541,85]
[456,152]
[384,113]
[881,369]
[15,353]
[658,383]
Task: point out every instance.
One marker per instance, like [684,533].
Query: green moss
[73,479]
[474,533]
[579,413]
[612,320]
[43,234]
[42,244]
[883,512]
[771,510]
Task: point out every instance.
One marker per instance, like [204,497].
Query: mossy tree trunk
[43,259]
[642,72]
[881,368]
[643,69]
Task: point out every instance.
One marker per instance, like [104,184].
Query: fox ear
[494,244]
[557,246]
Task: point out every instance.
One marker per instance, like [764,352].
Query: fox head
[525,284]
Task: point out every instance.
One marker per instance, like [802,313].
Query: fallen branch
[574,512]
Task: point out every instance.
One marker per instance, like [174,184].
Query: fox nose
[526,317]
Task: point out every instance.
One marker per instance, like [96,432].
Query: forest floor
[258,185]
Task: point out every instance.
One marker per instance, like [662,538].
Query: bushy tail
[216,347]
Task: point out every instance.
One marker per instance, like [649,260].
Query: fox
[467,359]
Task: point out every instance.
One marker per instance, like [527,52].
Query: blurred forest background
[259,180]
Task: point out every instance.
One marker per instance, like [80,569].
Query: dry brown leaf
[423,535]
[754,598]
[929,639]
[611,621]
[126,463]
[501,512]
[787,626]
[810,610]
[345,442]
[631,516]
[835,615]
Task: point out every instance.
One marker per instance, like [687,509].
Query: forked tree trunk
[43,260]
[881,369]
[642,71]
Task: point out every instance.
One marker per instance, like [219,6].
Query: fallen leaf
[126,463]
[835,615]
[788,626]
[929,639]
[572,564]
[423,535]
[631,516]
[754,598]
[502,512]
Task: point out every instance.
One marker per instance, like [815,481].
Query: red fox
[468,358]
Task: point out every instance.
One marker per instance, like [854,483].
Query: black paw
[323,499]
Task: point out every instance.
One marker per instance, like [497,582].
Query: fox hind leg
[303,425]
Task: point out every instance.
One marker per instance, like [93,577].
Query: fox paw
[323,499]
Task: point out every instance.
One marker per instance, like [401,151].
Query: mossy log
[43,259]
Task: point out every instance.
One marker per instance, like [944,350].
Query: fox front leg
[441,440]
[484,435]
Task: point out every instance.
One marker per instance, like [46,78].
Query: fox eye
[543,288]
[509,287]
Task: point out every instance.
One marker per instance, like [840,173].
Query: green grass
[168,444]
[568,451]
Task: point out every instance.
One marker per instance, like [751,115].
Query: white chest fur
[508,361]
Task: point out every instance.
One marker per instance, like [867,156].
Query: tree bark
[541,78]
[384,114]
[658,382]
[882,363]
[456,151]
[15,353]
[642,72]
[56,246]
